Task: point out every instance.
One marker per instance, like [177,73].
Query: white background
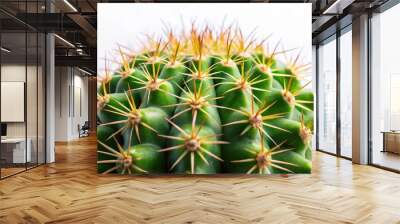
[126,24]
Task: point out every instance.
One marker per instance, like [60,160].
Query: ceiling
[76,21]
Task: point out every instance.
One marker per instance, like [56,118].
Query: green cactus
[205,102]
[193,149]
[141,159]
[103,132]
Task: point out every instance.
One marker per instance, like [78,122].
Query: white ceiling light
[70,5]
[337,7]
[64,40]
[84,71]
[5,50]
[79,51]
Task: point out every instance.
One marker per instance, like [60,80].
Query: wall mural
[206,98]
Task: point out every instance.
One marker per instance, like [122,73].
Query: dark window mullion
[338,100]
[316,96]
[369,90]
[26,87]
[37,91]
[45,87]
[0,96]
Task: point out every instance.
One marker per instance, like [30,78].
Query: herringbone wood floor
[70,191]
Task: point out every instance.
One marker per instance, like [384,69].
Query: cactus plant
[205,102]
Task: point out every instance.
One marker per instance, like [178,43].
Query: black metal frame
[44,71]
[316,107]
[0,86]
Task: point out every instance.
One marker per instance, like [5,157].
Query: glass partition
[14,155]
[22,77]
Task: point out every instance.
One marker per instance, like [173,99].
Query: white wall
[16,73]
[79,117]
[62,78]
[70,83]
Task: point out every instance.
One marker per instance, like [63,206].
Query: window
[385,89]
[327,96]
[346,93]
